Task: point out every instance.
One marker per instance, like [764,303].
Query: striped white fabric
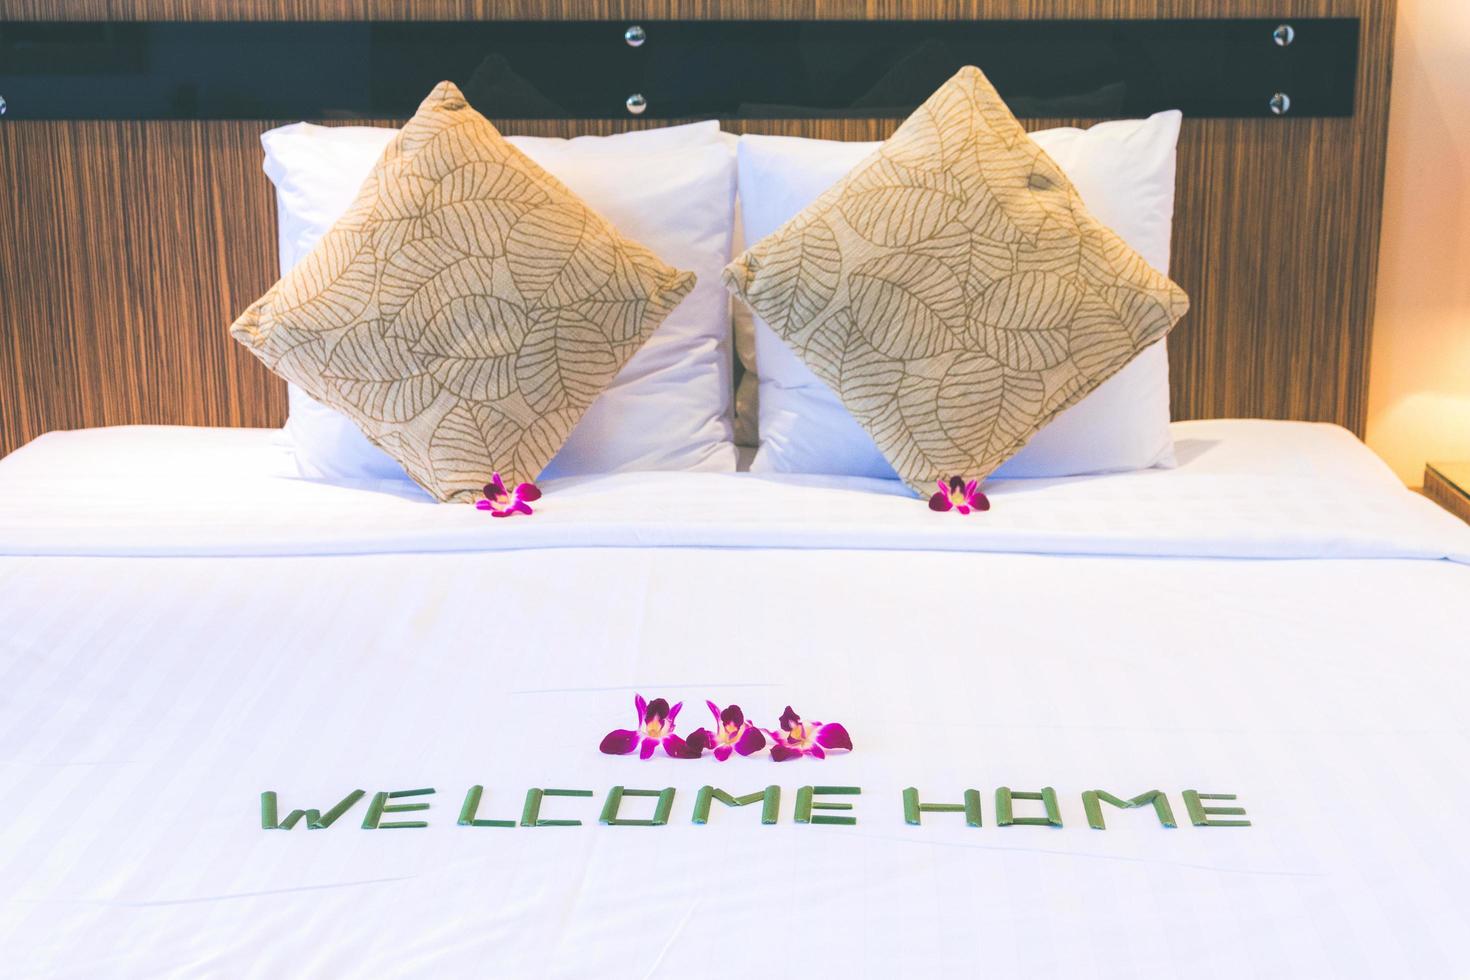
[147,701]
[1243,490]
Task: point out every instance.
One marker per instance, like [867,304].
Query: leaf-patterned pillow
[466,309]
[953,291]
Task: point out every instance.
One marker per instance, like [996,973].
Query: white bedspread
[184,626]
[1245,490]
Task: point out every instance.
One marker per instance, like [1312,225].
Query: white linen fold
[146,703]
[1244,490]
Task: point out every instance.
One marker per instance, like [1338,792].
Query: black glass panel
[756,69]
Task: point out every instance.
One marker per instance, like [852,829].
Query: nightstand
[1448,484]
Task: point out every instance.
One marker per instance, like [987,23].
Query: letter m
[1093,799]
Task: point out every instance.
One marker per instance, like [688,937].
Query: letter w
[315,819]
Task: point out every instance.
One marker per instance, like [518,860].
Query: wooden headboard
[127,247]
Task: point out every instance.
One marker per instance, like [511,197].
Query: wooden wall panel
[128,247]
[228,10]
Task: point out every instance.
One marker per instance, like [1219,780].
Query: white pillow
[671,189]
[1124,171]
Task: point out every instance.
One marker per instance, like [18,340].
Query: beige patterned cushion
[467,308]
[953,291]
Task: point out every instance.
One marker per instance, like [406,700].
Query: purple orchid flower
[655,728]
[502,503]
[959,496]
[732,734]
[798,738]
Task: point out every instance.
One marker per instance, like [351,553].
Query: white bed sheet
[1244,489]
[145,702]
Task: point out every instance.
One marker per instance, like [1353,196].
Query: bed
[1202,719]
[187,625]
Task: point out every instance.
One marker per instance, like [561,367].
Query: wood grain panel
[232,10]
[128,247]
[1440,488]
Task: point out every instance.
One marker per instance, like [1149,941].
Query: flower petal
[701,739]
[674,712]
[981,502]
[940,502]
[642,707]
[676,748]
[646,749]
[619,742]
[657,708]
[834,736]
[955,484]
[816,752]
[780,753]
[970,489]
[732,716]
[714,710]
[527,491]
[789,718]
[483,505]
[722,753]
[751,740]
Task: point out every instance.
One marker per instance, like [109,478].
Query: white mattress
[183,625]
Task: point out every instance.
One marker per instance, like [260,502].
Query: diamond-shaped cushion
[953,291]
[466,309]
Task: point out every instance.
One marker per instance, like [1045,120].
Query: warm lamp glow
[1425,416]
[1419,397]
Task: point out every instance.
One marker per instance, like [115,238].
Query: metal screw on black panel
[1280,103]
[636,104]
[635,36]
[3,105]
[1283,35]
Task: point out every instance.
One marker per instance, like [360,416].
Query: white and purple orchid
[798,738]
[732,733]
[655,728]
[507,503]
[959,496]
